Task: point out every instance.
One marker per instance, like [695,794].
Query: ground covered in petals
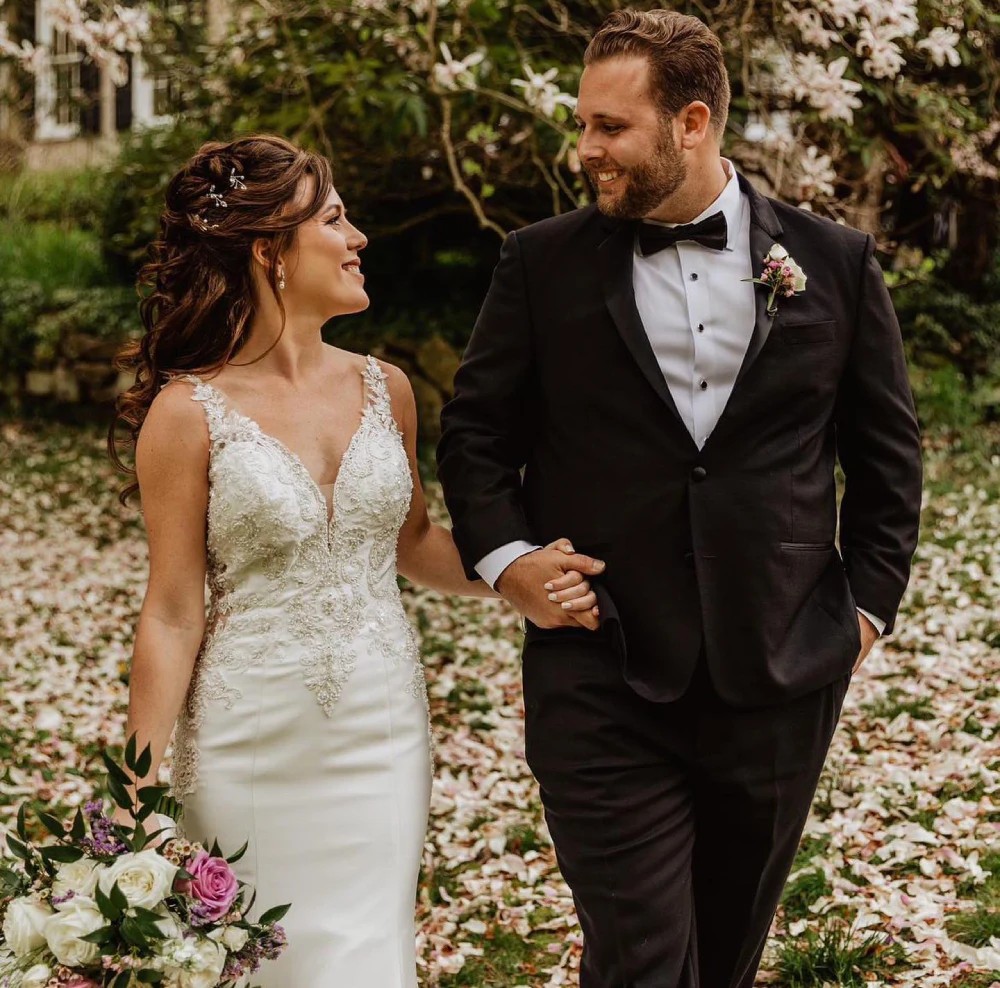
[898,877]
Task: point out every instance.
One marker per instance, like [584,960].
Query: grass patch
[508,959]
[802,892]
[830,956]
[894,704]
[975,928]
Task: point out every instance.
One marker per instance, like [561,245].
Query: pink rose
[212,883]
[79,981]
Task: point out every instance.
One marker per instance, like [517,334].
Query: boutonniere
[782,275]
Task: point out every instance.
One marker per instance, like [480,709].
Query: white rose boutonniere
[782,275]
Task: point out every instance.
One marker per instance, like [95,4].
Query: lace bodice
[283,571]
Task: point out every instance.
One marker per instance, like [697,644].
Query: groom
[678,746]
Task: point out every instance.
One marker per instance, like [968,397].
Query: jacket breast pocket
[807,332]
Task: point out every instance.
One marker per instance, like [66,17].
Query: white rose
[63,931]
[233,938]
[192,963]
[168,924]
[37,976]
[206,966]
[79,877]
[777,253]
[24,925]
[798,274]
[145,878]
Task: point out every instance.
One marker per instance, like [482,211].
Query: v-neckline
[329,511]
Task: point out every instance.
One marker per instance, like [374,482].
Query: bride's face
[323,276]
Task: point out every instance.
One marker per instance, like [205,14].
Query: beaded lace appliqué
[280,570]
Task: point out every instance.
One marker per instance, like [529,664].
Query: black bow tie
[710,232]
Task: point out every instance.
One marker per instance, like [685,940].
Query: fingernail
[552,596]
[599,564]
[565,605]
[548,586]
[569,549]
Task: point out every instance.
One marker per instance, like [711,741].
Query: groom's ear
[695,121]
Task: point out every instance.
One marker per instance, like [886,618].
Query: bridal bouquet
[96,905]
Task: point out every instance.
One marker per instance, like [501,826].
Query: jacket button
[699,473]
[689,560]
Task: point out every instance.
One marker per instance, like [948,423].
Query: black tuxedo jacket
[563,425]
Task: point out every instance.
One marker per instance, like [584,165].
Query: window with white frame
[66,60]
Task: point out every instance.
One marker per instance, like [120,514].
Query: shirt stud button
[694,275]
[701,327]
[703,385]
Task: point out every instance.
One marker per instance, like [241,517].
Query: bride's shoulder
[175,416]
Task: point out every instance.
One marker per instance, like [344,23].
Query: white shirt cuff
[878,622]
[493,564]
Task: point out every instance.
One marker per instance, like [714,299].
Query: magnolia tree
[854,108]
[104,32]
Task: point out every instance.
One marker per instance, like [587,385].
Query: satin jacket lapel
[765,230]
[616,254]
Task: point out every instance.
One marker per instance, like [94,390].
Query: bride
[283,470]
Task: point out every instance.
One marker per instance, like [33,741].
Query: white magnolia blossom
[885,57]
[455,73]
[942,46]
[814,174]
[824,87]
[541,91]
[810,25]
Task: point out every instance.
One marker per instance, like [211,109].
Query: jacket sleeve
[484,427]
[878,443]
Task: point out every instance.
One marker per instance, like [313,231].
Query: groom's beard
[646,184]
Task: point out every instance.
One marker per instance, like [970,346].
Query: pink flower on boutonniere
[782,275]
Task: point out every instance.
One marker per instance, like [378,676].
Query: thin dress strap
[212,402]
[377,394]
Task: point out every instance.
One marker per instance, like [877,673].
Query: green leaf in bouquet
[62,853]
[119,793]
[108,909]
[216,851]
[122,980]
[130,753]
[132,934]
[12,883]
[273,915]
[233,858]
[22,829]
[18,849]
[79,829]
[149,977]
[104,935]
[150,928]
[144,762]
[117,897]
[151,795]
[52,824]
[115,770]
[139,838]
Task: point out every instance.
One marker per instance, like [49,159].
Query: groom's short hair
[685,58]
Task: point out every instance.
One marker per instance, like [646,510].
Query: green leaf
[62,853]
[107,908]
[132,934]
[150,795]
[18,849]
[117,897]
[122,980]
[144,763]
[130,753]
[22,830]
[273,915]
[216,851]
[104,935]
[79,829]
[52,824]
[149,977]
[118,794]
[233,858]
[139,839]
[115,770]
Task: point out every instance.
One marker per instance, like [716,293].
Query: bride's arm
[172,470]
[426,552]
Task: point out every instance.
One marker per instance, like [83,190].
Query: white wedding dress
[305,730]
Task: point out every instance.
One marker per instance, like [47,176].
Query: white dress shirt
[699,315]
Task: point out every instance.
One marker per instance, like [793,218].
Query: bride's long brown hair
[198,291]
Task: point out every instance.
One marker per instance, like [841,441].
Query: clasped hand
[549,586]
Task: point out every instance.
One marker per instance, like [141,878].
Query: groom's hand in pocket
[549,586]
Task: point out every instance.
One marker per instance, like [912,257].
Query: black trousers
[675,824]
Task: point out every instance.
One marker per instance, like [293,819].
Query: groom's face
[628,146]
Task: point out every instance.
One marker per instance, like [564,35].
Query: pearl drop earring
[281,279]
